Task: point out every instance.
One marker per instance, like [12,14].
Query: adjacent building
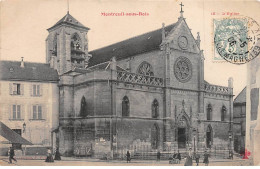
[253,108]
[29,103]
[239,120]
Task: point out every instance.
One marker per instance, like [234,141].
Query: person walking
[179,156]
[197,158]
[128,157]
[231,154]
[11,155]
[57,154]
[49,157]
[158,155]
[188,161]
[206,158]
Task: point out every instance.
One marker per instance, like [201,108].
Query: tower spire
[181,12]
[68,6]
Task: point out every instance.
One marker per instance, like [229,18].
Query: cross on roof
[181,6]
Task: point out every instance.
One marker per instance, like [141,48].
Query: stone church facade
[148,90]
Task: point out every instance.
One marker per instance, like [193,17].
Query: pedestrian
[231,154]
[49,157]
[174,155]
[179,156]
[11,154]
[206,158]
[158,155]
[128,157]
[197,158]
[188,161]
[57,154]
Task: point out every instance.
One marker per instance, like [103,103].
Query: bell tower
[67,45]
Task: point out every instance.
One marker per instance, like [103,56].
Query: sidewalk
[98,160]
[68,161]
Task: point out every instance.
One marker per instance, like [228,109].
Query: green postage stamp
[236,40]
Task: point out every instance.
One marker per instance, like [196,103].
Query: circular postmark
[237,40]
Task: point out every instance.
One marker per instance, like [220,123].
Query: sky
[24,23]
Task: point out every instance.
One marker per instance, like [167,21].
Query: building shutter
[29,111]
[44,112]
[10,88]
[31,89]
[41,89]
[22,89]
[10,111]
[22,112]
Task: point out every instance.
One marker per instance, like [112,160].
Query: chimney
[163,32]
[198,39]
[22,63]
[230,82]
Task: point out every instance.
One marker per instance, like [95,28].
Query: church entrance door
[181,137]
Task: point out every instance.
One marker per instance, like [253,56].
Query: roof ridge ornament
[68,6]
[181,12]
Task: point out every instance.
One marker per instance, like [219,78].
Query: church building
[147,91]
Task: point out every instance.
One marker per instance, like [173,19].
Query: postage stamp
[236,40]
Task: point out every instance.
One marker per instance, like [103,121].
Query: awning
[12,136]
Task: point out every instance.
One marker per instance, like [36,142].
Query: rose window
[183,69]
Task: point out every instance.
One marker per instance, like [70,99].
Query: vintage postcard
[133,83]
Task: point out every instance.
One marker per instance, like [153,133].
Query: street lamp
[24,127]
[230,140]
[194,136]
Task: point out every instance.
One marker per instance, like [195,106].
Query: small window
[36,90]
[83,108]
[16,89]
[125,107]
[209,112]
[37,112]
[16,114]
[155,109]
[223,113]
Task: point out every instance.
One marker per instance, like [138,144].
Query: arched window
[76,42]
[145,69]
[125,107]
[209,112]
[155,109]
[209,136]
[223,113]
[54,50]
[83,107]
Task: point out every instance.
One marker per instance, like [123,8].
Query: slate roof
[11,70]
[130,47]
[70,20]
[12,136]
[103,66]
[241,97]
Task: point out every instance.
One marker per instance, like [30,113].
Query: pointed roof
[241,97]
[130,47]
[69,20]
